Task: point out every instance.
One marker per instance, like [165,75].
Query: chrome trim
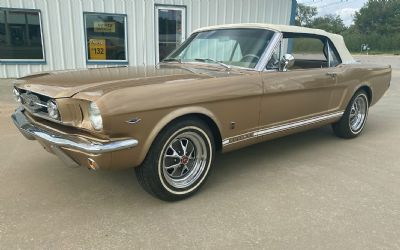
[297,124]
[262,63]
[134,120]
[280,128]
[40,104]
[184,159]
[33,132]
[329,53]
[358,113]
[208,64]
[28,95]
[44,116]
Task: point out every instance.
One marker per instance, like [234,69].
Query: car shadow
[232,166]
[267,155]
[122,187]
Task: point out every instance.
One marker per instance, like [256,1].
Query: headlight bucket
[95,117]
[17,95]
[52,110]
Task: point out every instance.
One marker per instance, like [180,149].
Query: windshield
[226,47]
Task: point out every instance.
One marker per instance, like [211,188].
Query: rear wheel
[179,160]
[353,120]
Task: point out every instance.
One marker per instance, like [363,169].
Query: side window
[274,61]
[334,59]
[309,51]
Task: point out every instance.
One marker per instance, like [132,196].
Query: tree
[305,14]
[379,16]
[329,23]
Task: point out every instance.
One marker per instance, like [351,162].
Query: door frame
[158,7]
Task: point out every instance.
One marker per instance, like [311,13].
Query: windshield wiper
[214,61]
[172,60]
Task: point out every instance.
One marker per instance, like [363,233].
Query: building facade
[45,35]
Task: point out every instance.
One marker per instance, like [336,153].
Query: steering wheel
[249,55]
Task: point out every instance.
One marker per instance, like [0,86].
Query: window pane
[307,48]
[274,61]
[105,37]
[20,35]
[169,31]
[308,52]
[333,58]
[237,47]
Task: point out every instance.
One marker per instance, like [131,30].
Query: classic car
[224,88]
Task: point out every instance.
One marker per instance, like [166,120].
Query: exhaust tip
[92,165]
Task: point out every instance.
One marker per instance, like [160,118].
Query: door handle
[331,74]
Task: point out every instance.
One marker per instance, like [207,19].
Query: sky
[344,8]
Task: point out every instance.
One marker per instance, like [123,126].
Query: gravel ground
[306,191]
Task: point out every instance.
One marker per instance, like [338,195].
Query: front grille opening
[35,103]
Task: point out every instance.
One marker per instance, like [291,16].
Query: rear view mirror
[287,62]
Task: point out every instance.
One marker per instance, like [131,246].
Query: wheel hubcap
[358,113]
[184,159]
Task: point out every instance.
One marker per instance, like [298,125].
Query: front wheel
[179,160]
[353,120]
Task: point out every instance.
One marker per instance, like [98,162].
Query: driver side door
[308,91]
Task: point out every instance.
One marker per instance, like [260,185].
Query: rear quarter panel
[354,76]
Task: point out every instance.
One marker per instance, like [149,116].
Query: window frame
[324,39]
[28,61]
[157,7]
[94,62]
[264,58]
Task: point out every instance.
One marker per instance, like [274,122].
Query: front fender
[167,119]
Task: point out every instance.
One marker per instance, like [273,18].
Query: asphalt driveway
[306,191]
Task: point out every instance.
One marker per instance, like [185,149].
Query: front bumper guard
[33,132]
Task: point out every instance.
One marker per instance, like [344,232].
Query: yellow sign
[104,27]
[97,48]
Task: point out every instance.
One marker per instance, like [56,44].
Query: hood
[60,84]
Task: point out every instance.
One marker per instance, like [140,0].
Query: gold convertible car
[224,88]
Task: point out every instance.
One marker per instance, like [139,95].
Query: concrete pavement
[306,191]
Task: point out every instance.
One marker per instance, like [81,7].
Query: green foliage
[387,43]
[377,24]
[378,16]
[305,14]
[329,23]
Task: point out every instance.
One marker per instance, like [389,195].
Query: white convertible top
[337,40]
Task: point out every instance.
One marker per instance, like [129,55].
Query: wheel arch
[368,90]
[362,86]
[185,113]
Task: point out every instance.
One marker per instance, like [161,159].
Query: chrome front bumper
[33,132]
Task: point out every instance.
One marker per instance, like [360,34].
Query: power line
[334,3]
[328,3]
[315,3]
[312,2]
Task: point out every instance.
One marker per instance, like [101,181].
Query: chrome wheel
[358,113]
[184,159]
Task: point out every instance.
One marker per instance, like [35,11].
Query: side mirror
[287,62]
